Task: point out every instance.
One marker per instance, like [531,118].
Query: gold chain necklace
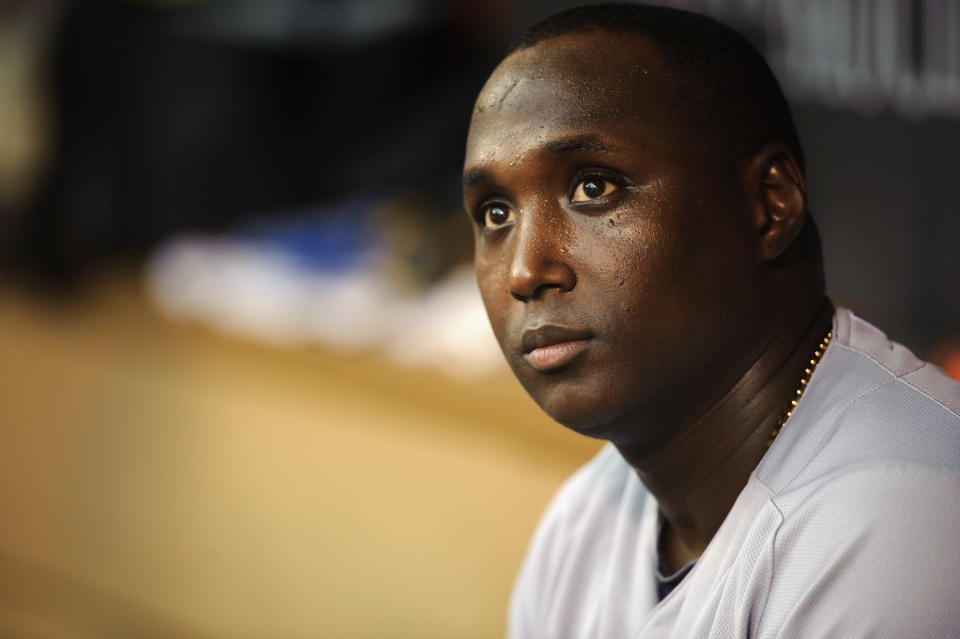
[807,373]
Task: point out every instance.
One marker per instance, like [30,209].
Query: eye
[591,188]
[496,215]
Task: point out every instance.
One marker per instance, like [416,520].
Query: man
[776,467]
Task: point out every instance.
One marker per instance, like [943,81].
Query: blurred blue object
[334,238]
[340,275]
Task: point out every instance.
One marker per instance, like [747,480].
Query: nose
[540,257]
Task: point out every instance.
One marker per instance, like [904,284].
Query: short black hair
[734,95]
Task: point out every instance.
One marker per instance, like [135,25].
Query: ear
[779,196]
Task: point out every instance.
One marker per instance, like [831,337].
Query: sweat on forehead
[575,62]
[716,82]
[595,78]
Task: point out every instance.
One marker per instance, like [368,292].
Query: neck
[697,476]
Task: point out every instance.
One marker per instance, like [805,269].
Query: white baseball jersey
[849,527]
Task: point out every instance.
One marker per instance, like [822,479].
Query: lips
[550,346]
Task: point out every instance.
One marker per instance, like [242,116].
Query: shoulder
[563,557]
[581,509]
[868,551]
[901,413]
[874,435]
[858,336]
[867,486]
[871,403]
[591,489]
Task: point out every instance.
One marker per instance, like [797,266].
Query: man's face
[613,256]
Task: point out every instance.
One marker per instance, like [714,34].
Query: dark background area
[167,117]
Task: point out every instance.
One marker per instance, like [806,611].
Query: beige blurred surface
[159,480]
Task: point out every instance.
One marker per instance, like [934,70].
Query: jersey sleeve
[526,616]
[559,576]
[873,553]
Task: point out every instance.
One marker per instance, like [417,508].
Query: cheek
[491,283]
[650,283]
[627,262]
[640,242]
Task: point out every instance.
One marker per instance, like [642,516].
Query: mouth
[550,347]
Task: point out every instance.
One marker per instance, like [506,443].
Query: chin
[595,430]
[627,426]
[583,417]
[584,400]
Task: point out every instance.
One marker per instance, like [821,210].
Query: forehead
[606,84]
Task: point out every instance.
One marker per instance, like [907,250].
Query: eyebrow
[587,142]
[578,143]
[472,177]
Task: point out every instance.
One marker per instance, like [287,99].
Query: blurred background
[247,387]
